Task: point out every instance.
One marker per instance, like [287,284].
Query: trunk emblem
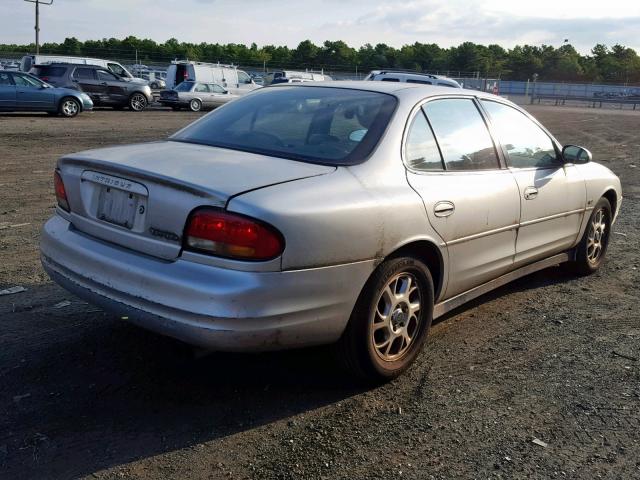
[164,234]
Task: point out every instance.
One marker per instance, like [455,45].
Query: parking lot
[540,379]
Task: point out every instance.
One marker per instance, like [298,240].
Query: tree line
[616,64]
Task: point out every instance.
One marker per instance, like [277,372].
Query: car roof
[398,89]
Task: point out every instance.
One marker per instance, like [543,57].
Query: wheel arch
[612,196]
[431,255]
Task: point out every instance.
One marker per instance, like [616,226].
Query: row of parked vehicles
[70,85]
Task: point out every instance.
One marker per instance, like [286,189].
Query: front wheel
[195,105]
[137,102]
[593,246]
[69,107]
[390,321]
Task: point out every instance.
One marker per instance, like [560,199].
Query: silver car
[195,96]
[350,213]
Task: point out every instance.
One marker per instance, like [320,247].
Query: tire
[138,102]
[69,107]
[195,105]
[592,248]
[377,350]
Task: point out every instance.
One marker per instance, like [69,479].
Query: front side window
[84,74]
[334,126]
[243,78]
[5,79]
[117,69]
[24,81]
[105,76]
[462,135]
[421,150]
[215,88]
[526,143]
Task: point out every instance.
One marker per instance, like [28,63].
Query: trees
[618,63]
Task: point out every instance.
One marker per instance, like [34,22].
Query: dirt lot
[551,357]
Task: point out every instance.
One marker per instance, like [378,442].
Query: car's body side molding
[454,302]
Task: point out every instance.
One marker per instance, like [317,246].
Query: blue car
[21,92]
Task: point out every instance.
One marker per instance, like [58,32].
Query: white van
[237,82]
[29,61]
[412,77]
[291,76]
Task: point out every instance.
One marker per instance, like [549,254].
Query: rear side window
[462,135]
[201,88]
[421,150]
[334,126]
[526,143]
[84,74]
[412,80]
[184,87]
[389,79]
[49,71]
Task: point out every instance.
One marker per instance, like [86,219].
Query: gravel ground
[540,379]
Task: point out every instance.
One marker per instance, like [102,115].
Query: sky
[282,22]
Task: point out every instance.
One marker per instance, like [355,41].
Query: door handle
[444,209]
[530,193]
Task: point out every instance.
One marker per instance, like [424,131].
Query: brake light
[61,193]
[231,235]
[44,79]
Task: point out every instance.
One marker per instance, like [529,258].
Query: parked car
[21,92]
[348,212]
[237,82]
[195,96]
[292,76]
[29,61]
[412,77]
[105,88]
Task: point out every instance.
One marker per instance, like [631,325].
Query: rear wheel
[137,102]
[69,107]
[195,105]
[390,321]
[593,246]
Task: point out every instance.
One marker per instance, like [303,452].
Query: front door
[115,89]
[31,94]
[471,201]
[552,193]
[7,91]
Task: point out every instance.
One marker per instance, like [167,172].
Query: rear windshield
[48,71]
[334,126]
[184,87]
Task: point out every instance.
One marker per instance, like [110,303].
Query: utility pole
[38,3]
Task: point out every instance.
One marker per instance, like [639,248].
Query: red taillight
[44,79]
[61,194]
[231,235]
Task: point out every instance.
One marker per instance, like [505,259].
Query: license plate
[117,206]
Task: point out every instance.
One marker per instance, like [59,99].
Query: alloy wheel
[70,108]
[395,320]
[138,102]
[596,237]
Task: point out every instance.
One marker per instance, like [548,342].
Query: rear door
[552,193]
[471,200]
[7,91]
[86,80]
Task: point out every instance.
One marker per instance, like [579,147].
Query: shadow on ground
[83,391]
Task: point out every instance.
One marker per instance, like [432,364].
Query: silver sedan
[350,213]
[195,96]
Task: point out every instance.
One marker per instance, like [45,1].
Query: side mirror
[575,154]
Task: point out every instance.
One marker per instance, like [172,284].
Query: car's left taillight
[61,193]
[225,234]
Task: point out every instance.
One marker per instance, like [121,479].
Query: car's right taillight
[230,235]
[61,193]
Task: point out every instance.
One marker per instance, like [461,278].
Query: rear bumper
[203,305]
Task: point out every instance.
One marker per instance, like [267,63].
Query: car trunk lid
[139,196]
